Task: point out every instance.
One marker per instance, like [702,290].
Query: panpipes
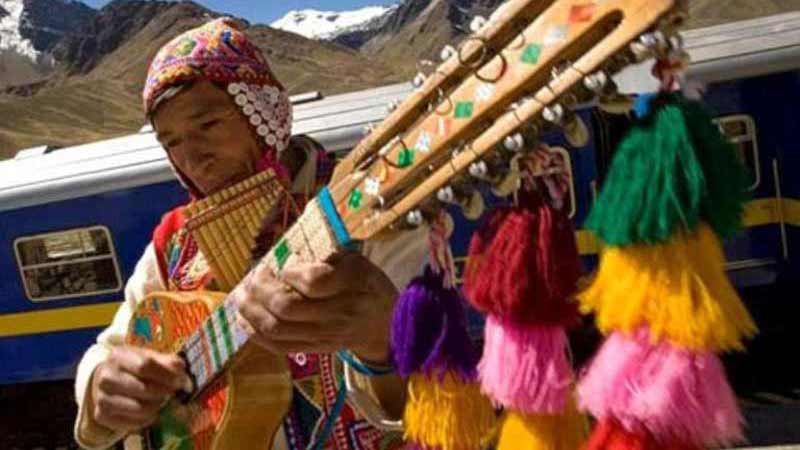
[227,223]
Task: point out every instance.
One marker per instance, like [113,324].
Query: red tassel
[524,265]
[608,434]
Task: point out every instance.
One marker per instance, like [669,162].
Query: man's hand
[131,386]
[321,307]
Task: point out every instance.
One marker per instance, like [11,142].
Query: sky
[267,11]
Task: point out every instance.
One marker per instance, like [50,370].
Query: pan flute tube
[218,239]
[254,218]
[226,233]
[209,250]
[238,232]
[243,217]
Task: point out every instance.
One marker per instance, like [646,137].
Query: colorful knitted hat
[219,51]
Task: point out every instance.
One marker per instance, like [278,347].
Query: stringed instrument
[519,73]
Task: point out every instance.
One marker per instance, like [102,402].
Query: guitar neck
[318,234]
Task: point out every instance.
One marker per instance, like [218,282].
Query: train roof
[735,50]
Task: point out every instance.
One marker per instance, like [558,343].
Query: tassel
[565,431]
[447,413]
[445,409]
[429,331]
[610,435]
[672,393]
[679,289]
[529,268]
[525,367]
[671,172]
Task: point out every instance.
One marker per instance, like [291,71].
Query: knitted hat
[220,52]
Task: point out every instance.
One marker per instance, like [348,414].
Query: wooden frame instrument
[519,73]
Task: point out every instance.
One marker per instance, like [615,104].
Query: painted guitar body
[242,409]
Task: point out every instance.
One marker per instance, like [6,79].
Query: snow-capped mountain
[329,25]
[28,31]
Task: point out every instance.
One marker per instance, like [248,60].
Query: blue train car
[73,222]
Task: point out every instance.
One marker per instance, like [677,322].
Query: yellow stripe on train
[61,319]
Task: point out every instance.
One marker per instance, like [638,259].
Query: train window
[67,264]
[741,130]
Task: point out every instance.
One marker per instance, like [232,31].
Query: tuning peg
[415,218]
[514,143]
[480,170]
[447,52]
[649,44]
[553,114]
[419,80]
[596,82]
[392,106]
[447,195]
[477,23]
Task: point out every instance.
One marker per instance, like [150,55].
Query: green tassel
[673,170]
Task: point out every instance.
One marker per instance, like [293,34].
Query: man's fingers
[263,322]
[127,385]
[315,280]
[157,368]
[124,411]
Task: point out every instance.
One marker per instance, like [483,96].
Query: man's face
[207,137]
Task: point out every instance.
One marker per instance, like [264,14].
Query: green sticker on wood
[464,110]
[282,253]
[532,53]
[406,157]
[355,199]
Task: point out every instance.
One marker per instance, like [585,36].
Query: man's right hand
[130,387]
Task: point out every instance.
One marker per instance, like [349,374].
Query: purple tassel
[429,331]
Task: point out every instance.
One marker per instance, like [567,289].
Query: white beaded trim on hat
[268,110]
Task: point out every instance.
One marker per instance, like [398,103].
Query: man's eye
[210,124]
[173,143]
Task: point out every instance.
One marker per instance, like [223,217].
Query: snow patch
[327,25]
[10,37]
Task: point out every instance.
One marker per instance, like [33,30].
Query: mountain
[330,25]
[29,29]
[94,91]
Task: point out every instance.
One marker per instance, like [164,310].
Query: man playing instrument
[222,117]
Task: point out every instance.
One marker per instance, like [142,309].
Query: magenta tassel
[525,367]
[673,393]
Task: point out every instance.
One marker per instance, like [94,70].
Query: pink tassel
[525,367]
[673,393]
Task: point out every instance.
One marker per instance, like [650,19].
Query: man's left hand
[320,307]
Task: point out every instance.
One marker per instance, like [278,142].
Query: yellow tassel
[679,289]
[567,431]
[447,414]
